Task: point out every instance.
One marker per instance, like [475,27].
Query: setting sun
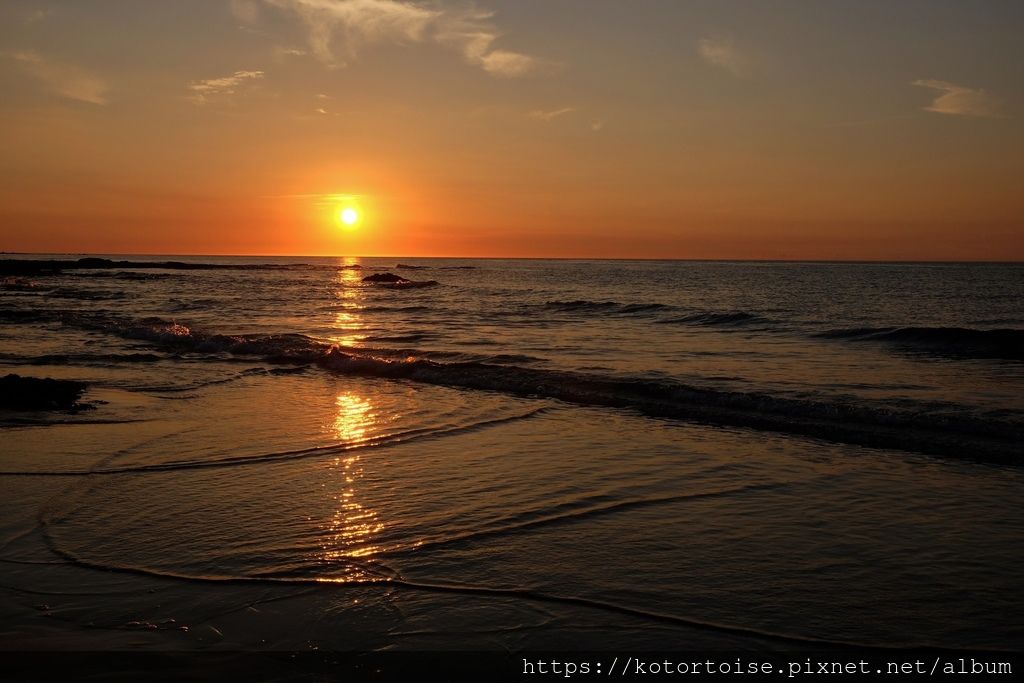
[348,216]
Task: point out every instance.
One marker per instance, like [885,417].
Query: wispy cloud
[722,52]
[958,100]
[542,115]
[339,29]
[202,91]
[66,80]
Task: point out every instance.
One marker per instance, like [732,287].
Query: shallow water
[600,452]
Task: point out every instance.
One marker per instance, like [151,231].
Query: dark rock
[93,262]
[30,393]
[385,277]
[393,281]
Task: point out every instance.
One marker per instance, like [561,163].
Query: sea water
[530,453]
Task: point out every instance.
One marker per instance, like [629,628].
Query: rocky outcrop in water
[32,393]
[397,281]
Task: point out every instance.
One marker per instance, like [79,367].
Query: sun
[348,216]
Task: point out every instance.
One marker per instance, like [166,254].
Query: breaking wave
[692,317]
[953,341]
[854,421]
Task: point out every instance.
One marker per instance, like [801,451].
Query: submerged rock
[31,393]
[397,281]
[385,277]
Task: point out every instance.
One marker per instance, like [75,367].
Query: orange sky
[586,129]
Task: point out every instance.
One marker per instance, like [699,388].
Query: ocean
[527,454]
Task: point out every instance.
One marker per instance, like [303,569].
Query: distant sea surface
[526,454]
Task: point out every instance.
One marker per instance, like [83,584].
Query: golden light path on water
[352,526]
[350,530]
[349,323]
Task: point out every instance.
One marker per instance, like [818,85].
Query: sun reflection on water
[352,526]
[348,321]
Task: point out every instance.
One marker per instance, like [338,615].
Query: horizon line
[521,258]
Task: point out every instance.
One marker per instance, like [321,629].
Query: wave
[712,319]
[698,318]
[581,305]
[402,338]
[394,309]
[86,294]
[613,307]
[643,308]
[370,442]
[181,305]
[125,275]
[195,386]
[858,423]
[854,421]
[574,511]
[25,315]
[962,342]
[371,576]
[376,573]
[81,358]
[409,266]
[510,358]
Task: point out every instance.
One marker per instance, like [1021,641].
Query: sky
[726,129]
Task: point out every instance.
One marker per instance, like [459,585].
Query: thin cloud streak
[347,26]
[226,85]
[959,100]
[541,115]
[66,80]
